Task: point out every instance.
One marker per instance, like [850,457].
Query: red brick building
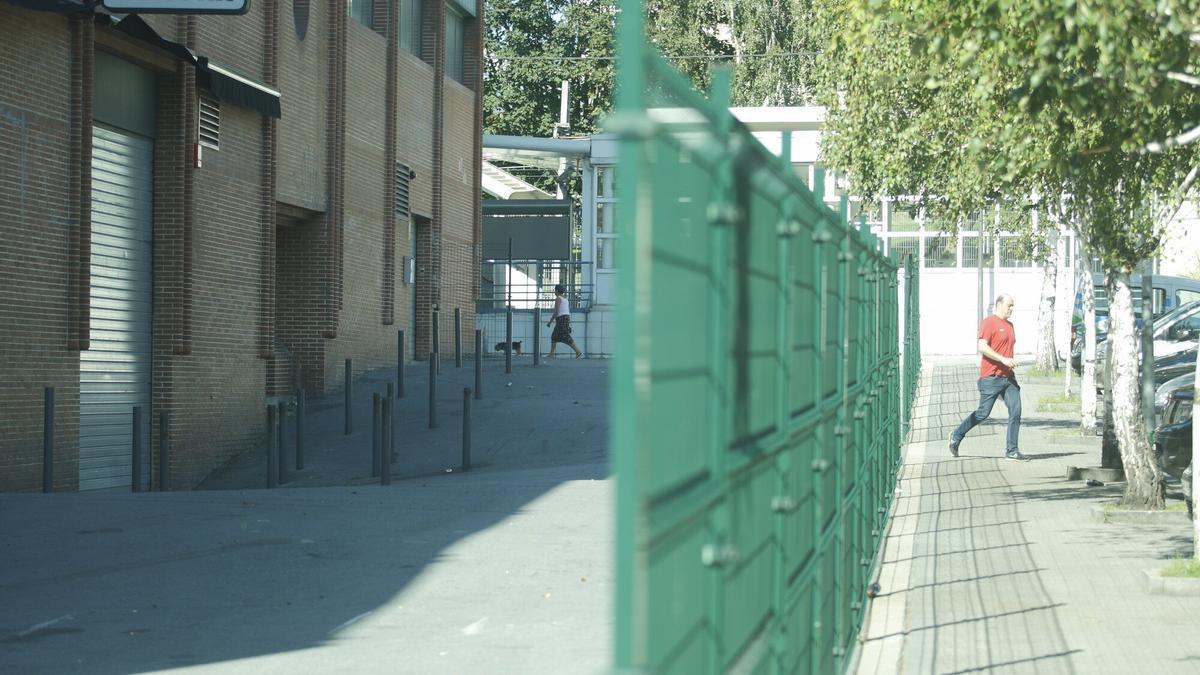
[195,208]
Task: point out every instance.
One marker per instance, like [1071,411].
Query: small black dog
[503,347]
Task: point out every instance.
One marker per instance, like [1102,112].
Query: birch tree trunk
[1144,487]
[1047,354]
[1087,385]
[1066,298]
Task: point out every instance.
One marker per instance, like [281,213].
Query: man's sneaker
[1016,457]
[954,445]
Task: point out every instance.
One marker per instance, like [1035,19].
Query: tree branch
[1179,196]
[1184,78]
[1185,138]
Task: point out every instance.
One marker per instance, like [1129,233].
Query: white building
[955,286]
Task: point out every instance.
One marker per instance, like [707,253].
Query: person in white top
[562,321]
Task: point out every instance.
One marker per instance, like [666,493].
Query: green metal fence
[757,397]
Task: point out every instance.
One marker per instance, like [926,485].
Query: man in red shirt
[996,378]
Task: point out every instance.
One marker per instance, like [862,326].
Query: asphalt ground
[505,568]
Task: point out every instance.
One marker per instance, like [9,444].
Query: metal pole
[48,441]
[272,458]
[437,340]
[432,391]
[537,335]
[466,431]
[400,364]
[478,363]
[457,337]
[280,420]
[508,345]
[164,451]
[136,483]
[978,275]
[300,404]
[349,394]
[385,474]
[376,433]
[387,441]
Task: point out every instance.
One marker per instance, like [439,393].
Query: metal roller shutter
[115,373]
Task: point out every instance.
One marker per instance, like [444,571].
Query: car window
[1183,296]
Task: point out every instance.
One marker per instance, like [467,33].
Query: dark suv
[1173,438]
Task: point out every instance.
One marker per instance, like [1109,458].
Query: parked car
[1173,438]
[1171,366]
[1169,293]
[1164,391]
[1177,331]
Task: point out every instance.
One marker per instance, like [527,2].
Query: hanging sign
[178,6]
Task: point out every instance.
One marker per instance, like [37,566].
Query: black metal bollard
[478,363]
[272,457]
[432,391]
[508,345]
[385,473]
[164,451]
[466,436]
[300,403]
[281,420]
[400,364]
[437,339]
[376,433]
[48,441]
[136,483]
[537,335]
[349,394]
[391,396]
[457,337]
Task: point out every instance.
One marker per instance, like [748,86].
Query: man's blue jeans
[990,389]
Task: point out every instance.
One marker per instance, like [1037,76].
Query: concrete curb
[1154,584]
[1131,517]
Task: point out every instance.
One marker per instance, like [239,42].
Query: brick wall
[215,248]
[35,225]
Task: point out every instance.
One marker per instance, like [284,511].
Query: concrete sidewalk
[504,569]
[998,566]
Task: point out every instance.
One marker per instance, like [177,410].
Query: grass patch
[1186,567]
[1037,372]
[1059,398]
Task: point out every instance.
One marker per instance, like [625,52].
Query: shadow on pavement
[498,569]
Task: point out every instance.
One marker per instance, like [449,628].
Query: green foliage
[524,68]
[971,103]
[770,45]
[1184,567]
[533,45]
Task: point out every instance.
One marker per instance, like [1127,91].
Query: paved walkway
[997,566]
[504,569]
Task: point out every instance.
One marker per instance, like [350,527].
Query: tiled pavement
[997,566]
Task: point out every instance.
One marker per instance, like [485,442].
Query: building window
[1014,253]
[362,11]
[904,246]
[410,26]
[970,256]
[455,23]
[606,218]
[940,251]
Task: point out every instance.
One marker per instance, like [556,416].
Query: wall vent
[210,122]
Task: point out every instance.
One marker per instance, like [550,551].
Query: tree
[531,47]
[1019,99]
